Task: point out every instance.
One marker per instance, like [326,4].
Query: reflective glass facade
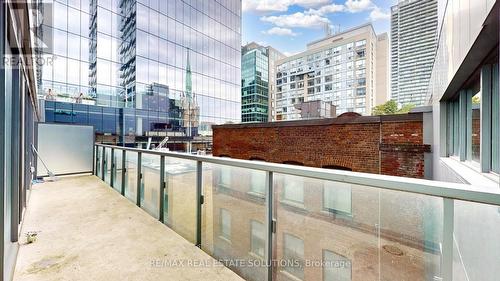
[149,56]
[255,85]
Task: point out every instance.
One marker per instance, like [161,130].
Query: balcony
[86,231]
[147,210]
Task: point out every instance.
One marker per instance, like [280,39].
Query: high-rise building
[137,69]
[258,82]
[341,69]
[413,48]
[273,56]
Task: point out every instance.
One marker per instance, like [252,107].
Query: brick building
[369,244]
[389,145]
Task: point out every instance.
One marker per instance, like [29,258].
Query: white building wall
[476,231]
[341,69]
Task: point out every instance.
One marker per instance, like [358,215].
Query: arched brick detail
[336,167]
[256,158]
[291,162]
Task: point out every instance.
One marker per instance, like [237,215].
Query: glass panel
[180,197]
[359,232]
[456,128]
[495,122]
[476,245]
[117,171]
[234,218]
[336,267]
[337,197]
[150,185]
[293,256]
[131,175]
[98,166]
[107,166]
[476,127]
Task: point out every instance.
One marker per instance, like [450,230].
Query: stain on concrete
[50,264]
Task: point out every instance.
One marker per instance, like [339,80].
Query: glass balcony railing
[270,221]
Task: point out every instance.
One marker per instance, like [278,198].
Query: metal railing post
[139,178]
[270,227]
[112,173]
[199,200]
[124,170]
[103,162]
[447,248]
[96,155]
[162,188]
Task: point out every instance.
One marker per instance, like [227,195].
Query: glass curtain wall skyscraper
[255,83]
[123,65]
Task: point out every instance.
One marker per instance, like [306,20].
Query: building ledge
[469,174]
[417,116]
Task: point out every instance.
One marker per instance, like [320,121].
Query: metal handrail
[440,189]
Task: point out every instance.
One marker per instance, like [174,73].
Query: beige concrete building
[348,68]
[382,82]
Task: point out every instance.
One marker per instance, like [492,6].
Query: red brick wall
[401,151]
[390,145]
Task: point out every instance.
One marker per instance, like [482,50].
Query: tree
[476,99]
[391,107]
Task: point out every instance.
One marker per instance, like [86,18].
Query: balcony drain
[393,250]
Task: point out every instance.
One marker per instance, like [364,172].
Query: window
[453,127]
[225,176]
[258,239]
[293,256]
[476,127]
[337,197]
[473,122]
[293,189]
[360,43]
[336,267]
[495,122]
[225,224]
[258,182]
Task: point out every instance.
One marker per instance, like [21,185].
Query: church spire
[189,83]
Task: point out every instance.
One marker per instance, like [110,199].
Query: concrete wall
[381,70]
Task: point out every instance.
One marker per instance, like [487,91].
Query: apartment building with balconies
[347,69]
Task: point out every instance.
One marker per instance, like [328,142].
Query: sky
[288,25]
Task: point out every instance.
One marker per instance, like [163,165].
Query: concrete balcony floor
[87,231]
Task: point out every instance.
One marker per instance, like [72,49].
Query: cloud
[264,6]
[289,54]
[377,14]
[327,9]
[280,31]
[299,19]
[356,6]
